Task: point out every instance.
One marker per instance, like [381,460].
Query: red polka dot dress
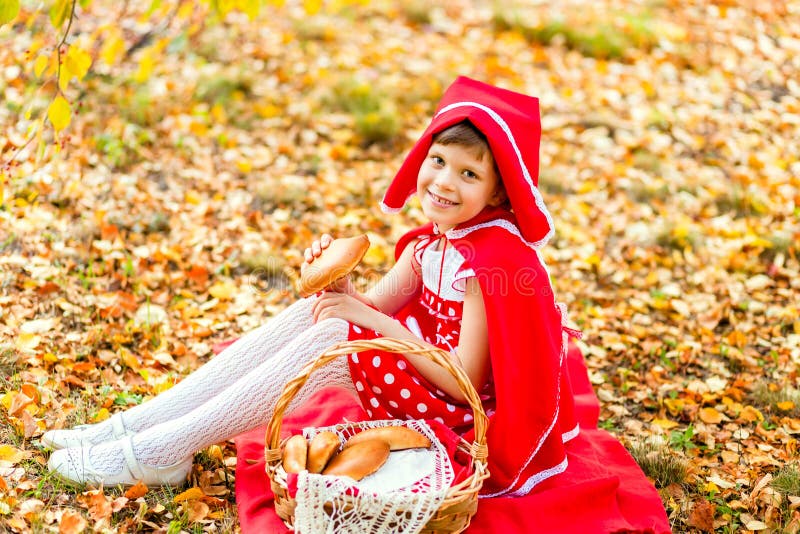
[388,386]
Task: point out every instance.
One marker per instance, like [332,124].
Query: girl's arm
[393,292]
[473,345]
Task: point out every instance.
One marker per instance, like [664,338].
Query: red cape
[534,414]
[602,491]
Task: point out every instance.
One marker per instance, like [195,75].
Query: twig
[64,41]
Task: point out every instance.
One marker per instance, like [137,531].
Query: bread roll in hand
[295,453]
[360,460]
[335,262]
[398,437]
[321,449]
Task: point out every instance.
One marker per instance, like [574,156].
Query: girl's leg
[235,361]
[244,405]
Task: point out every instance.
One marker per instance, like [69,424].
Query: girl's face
[454,184]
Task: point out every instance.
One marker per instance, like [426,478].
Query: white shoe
[79,435]
[74,465]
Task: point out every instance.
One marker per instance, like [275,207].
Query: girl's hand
[342,306]
[343,285]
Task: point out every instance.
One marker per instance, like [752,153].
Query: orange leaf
[71,523]
[97,503]
[710,416]
[786,406]
[751,415]
[702,516]
[20,402]
[134,492]
[197,274]
[737,339]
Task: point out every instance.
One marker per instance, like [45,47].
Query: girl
[470,282]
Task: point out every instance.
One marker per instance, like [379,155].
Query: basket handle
[436,355]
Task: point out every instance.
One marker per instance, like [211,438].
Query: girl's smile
[441,201]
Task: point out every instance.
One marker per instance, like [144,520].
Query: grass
[779,400]
[658,463]
[416,11]
[267,271]
[375,116]
[787,480]
[612,36]
[678,237]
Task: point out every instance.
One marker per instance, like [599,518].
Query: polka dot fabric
[389,387]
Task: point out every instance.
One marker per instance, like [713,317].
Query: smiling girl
[470,282]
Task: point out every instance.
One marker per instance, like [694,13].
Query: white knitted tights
[234,392]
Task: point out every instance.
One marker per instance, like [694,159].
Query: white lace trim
[539,476]
[502,223]
[571,434]
[327,504]
[507,130]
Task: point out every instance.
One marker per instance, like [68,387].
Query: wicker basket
[461,501]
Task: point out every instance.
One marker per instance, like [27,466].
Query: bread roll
[321,449]
[336,261]
[398,437]
[295,452]
[359,460]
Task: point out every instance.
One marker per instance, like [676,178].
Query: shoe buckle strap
[130,459]
[117,428]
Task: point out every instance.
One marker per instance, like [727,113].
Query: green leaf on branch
[9,9]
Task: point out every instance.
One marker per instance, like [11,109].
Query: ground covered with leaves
[203,155]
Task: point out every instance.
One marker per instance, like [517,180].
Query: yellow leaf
[751,414]
[101,415]
[59,113]
[28,342]
[675,406]
[113,47]
[375,255]
[666,424]
[710,416]
[9,9]
[312,7]
[222,290]
[249,7]
[40,64]
[190,494]
[78,61]
[12,454]
[59,12]
[192,198]
[785,406]
[244,166]
[7,399]
[146,65]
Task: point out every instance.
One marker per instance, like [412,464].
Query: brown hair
[465,134]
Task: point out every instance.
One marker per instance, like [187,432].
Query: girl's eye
[437,160]
[469,174]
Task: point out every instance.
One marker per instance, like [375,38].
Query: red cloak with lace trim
[534,408]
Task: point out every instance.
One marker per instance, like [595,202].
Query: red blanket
[602,491]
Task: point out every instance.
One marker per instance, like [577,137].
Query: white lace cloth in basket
[400,497]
